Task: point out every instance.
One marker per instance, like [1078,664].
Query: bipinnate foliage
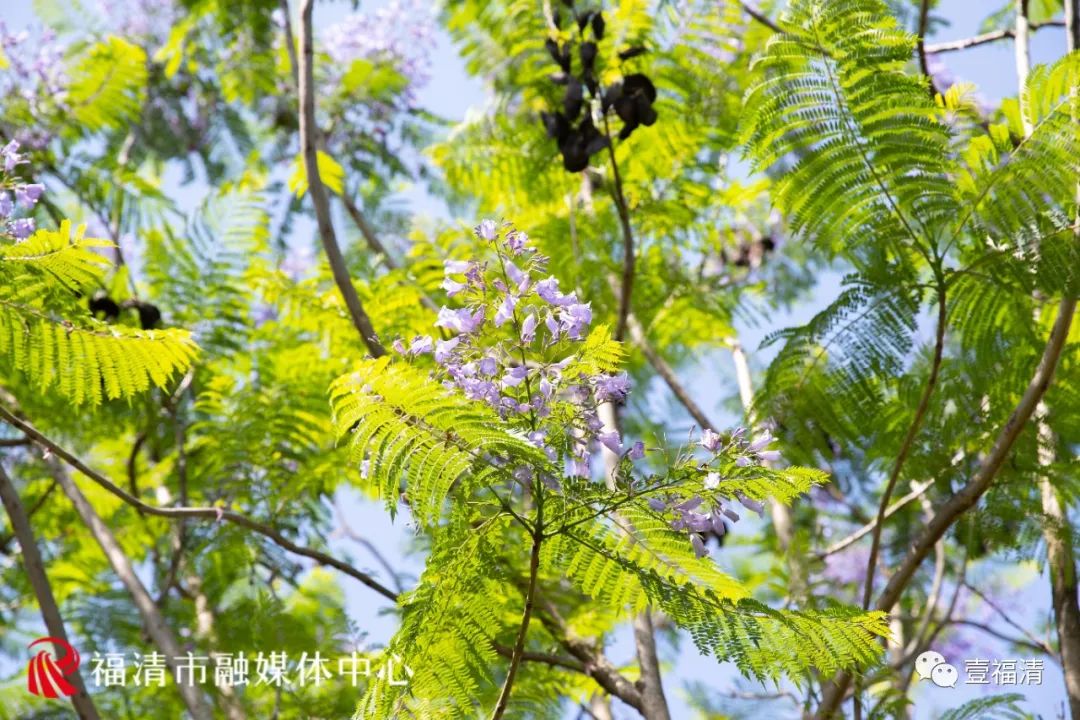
[494,442]
[47,334]
[926,209]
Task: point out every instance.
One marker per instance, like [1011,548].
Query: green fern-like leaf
[763,643]
[56,255]
[995,707]
[405,426]
[872,168]
[108,85]
[92,361]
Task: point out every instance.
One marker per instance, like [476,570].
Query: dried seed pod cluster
[573,126]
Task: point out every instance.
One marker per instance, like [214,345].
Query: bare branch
[866,529]
[156,626]
[756,13]
[595,664]
[204,513]
[526,615]
[908,442]
[984,38]
[969,495]
[39,581]
[319,197]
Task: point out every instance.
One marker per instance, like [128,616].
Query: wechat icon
[931,666]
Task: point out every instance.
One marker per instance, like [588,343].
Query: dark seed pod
[556,125]
[637,83]
[588,55]
[645,112]
[594,140]
[149,315]
[561,55]
[626,109]
[583,20]
[572,101]
[631,52]
[611,95]
[105,306]
[598,25]
[575,158]
[556,17]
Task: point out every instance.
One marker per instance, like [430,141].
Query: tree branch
[906,445]
[205,513]
[969,495]
[868,527]
[627,280]
[5,540]
[319,197]
[526,615]
[760,17]
[39,581]
[594,663]
[156,626]
[984,38]
[665,371]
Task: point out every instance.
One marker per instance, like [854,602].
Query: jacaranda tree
[224,341]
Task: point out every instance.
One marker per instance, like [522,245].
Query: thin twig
[541,658]
[1008,619]
[905,447]
[526,615]
[205,513]
[760,17]
[38,504]
[359,539]
[984,38]
[866,529]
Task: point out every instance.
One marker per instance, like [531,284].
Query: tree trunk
[35,570]
[156,627]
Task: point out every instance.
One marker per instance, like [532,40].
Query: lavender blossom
[528,329]
[462,321]
[22,228]
[611,441]
[487,230]
[699,545]
[421,344]
[612,388]
[506,310]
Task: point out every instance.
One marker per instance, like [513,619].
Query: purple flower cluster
[401,33]
[15,195]
[514,342]
[699,514]
[150,21]
[34,77]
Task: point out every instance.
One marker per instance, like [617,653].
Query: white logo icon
[944,675]
[931,666]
